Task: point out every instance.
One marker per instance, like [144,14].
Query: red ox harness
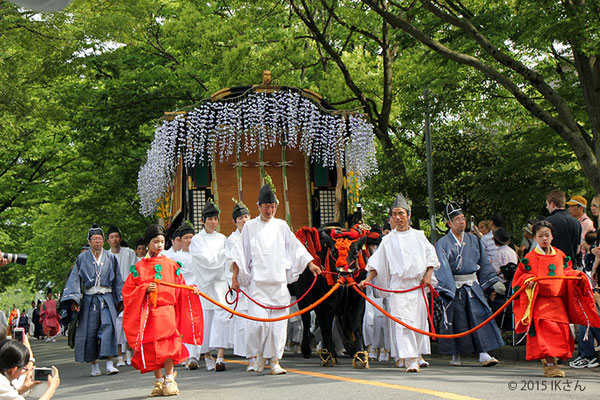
[343,241]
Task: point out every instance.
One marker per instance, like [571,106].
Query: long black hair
[13,354]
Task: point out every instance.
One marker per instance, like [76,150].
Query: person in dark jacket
[38,332]
[567,230]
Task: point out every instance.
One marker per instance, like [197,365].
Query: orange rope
[455,335]
[239,314]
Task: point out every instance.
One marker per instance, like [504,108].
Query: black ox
[342,254]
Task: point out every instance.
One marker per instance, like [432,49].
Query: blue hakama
[464,304]
[95,337]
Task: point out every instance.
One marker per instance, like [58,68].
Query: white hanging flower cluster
[156,175]
[360,150]
[256,120]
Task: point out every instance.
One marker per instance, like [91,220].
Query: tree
[544,54]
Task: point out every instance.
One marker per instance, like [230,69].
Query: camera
[16,258]
[42,374]
[19,334]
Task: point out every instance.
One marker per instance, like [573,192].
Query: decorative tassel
[153,296]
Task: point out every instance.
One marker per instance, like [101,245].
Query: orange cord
[239,314]
[354,285]
[455,335]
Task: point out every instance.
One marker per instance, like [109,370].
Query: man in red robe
[157,331]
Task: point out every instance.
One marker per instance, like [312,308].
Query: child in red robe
[545,309]
[50,318]
[157,331]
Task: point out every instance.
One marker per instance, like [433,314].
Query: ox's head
[342,249]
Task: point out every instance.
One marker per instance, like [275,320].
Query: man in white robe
[175,246]
[405,259]
[126,258]
[240,216]
[208,253]
[189,271]
[268,259]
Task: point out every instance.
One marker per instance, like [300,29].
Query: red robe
[50,318]
[157,334]
[546,311]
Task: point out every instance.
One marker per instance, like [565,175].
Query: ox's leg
[325,318]
[306,335]
[356,314]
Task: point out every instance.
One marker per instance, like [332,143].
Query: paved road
[306,380]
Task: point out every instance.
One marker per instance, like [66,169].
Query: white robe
[375,324]
[269,257]
[170,253]
[237,331]
[401,261]
[126,258]
[209,260]
[188,271]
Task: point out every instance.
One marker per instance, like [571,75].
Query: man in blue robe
[94,290]
[464,274]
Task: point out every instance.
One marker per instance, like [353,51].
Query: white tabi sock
[171,377]
[456,358]
[95,368]
[483,357]
[220,359]
[109,364]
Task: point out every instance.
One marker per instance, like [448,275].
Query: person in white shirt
[16,361]
[269,257]
[208,253]
[240,216]
[126,258]
[577,206]
[405,259]
[175,246]
[487,240]
[504,253]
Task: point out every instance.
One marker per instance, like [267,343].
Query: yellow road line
[443,395]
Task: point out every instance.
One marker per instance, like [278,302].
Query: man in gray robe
[94,290]
[464,274]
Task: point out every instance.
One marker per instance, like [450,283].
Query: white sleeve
[430,253]
[378,263]
[209,262]
[8,392]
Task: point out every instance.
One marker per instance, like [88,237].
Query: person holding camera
[94,290]
[16,361]
[3,260]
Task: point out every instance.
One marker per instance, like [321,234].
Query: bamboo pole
[261,158]
[309,190]
[239,170]
[339,187]
[286,199]
[214,187]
